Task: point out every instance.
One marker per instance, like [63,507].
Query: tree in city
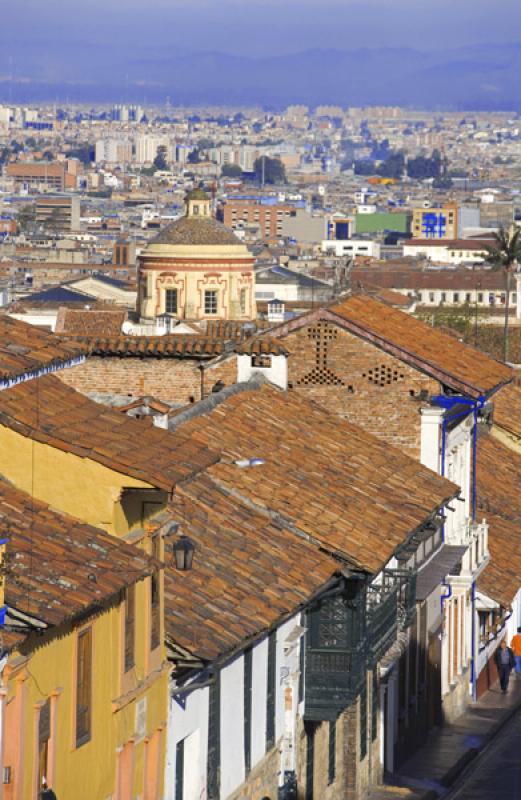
[231,171]
[26,218]
[194,157]
[505,255]
[84,152]
[160,162]
[54,221]
[392,167]
[364,167]
[269,170]
[424,167]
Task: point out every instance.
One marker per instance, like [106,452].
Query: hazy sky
[35,33]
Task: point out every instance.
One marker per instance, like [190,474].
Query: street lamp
[184,553]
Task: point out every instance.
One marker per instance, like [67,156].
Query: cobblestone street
[497,771]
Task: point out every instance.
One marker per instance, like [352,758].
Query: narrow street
[497,772]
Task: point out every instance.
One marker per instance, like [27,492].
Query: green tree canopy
[26,218]
[160,162]
[269,170]
[505,255]
[231,171]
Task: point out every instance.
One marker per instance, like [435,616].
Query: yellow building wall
[191,286]
[77,486]
[88,772]
[450,212]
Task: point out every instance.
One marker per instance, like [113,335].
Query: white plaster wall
[232,726]
[276,374]
[183,723]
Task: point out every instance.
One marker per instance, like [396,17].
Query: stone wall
[353,776]
[262,780]
[359,381]
[176,381]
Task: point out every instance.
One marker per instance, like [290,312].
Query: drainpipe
[475,464]
[447,596]
[473,675]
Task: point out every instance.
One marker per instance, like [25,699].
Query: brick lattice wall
[359,381]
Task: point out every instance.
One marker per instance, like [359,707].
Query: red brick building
[250,211]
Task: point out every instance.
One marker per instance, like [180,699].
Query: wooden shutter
[179,769]
[155,605]
[213,776]
[331,765]
[271,690]
[247,707]
[363,721]
[130,626]
[83,687]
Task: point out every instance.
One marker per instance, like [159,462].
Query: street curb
[457,769]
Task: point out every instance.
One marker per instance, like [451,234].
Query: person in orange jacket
[515,644]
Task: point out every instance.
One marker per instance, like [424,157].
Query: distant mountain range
[472,78]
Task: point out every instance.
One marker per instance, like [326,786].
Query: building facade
[196,269]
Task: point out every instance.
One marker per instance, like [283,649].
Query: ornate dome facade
[196,268]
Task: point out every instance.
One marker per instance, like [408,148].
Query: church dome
[191,230]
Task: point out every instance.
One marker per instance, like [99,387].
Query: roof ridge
[213,400]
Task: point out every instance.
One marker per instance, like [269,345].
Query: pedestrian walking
[515,644]
[505,662]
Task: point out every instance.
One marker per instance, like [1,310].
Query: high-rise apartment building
[113,151]
[147,147]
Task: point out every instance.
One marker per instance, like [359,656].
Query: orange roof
[248,573]
[507,409]
[59,567]
[333,481]
[429,350]
[90,323]
[499,502]
[25,349]
[47,410]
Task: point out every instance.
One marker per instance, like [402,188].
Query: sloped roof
[58,567]
[84,322]
[169,346]
[499,502]
[25,349]
[196,231]
[248,572]
[333,481]
[56,295]
[507,409]
[47,410]
[411,340]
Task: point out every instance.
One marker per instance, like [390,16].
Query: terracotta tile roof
[58,567]
[170,346]
[450,361]
[499,502]
[417,279]
[257,346]
[328,478]
[507,409]
[247,572]
[49,411]
[90,323]
[26,349]
[196,231]
[477,245]
[225,329]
